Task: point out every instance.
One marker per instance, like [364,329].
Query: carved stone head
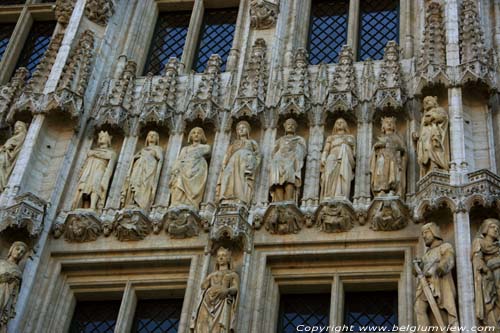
[104,139]
[243,129]
[153,138]
[223,257]
[430,102]
[197,135]
[388,125]
[17,251]
[340,126]
[431,231]
[290,126]
[490,227]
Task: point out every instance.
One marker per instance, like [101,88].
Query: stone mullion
[353,26]
[311,192]
[125,318]
[221,143]
[413,107]
[192,285]
[233,58]
[193,36]
[362,194]
[336,302]
[121,170]
[174,146]
[464,269]
[459,167]
[266,148]
[405,22]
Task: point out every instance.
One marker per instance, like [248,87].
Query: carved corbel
[263,14]
[100,11]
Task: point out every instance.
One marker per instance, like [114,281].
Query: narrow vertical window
[216,36]
[378,24]
[168,41]
[36,44]
[303,309]
[157,316]
[371,311]
[97,317]
[5,34]
[328,30]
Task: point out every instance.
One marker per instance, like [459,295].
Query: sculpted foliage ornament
[10,283]
[99,11]
[263,14]
[10,92]
[63,10]
[9,152]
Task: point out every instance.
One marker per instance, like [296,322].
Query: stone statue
[432,142]
[10,282]
[96,175]
[9,152]
[338,162]
[286,164]
[486,264]
[142,181]
[216,311]
[190,171]
[437,280]
[388,162]
[237,179]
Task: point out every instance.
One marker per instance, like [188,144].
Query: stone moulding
[27,213]
[230,223]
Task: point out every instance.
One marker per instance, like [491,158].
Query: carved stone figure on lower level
[286,164]
[182,222]
[142,181]
[10,282]
[95,177]
[433,151]
[335,217]
[190,171]
[388,162]
[486,264]
[237,179]
[216,311]
[436,293]
[9,152]
[337,162]
[82,227]
[283,219]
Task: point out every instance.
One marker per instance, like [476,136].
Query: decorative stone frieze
[99,11]
[263,14]
[251,97]
[342,90]
[10,92]
[335,216]
[231,223]
[27,213]
[389,92]
[296,96]
[63,11]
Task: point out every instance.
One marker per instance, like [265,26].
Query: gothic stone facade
[89,109]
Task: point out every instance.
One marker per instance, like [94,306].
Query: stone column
[458,170]
[266,149]
[353,26]
[405,19]
[465,280]
[310,196]
[221,143]
[413,109]
[364,140]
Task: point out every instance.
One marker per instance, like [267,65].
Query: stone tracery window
[36,44]
[95,316]
[374,309]
[328,30]
[157,316]
[303,309]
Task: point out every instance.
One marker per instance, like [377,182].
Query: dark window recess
[12,2]
[95,317]
[216,36]
[5,34]
[371,309]
[328,30]
[168,40]
[379,23]
[36,44]
[303,309]
[157,316]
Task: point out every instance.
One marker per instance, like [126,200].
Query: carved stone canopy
[28,213]
[231,224]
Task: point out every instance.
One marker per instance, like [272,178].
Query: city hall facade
[249,165]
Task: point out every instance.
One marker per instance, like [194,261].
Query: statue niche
[388,162]
[10,283]
[433,151]
[216,310]
[142,180]
[9,152]
[338,162]
[96,175]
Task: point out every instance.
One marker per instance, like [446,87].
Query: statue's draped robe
[238,175]
[189,176]
[432,146]
[10,281]
[388,165]
[96,176]
[338,166]
[8,156]
[143,177]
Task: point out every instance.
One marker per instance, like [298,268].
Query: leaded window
[216,36]
[371,310]
[5,34]
[95,317]
[303,309]
[378,24]
[12,2]
[36,44]
[157,316]
[328,30]
[168,41]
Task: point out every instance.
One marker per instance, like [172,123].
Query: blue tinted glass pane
[36,44]
[95,317]
[372,311]
[5,33]
[379,23]
[157,316]
[168,40]
[12,2]
[216,36]
[328,31]
[303,309]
